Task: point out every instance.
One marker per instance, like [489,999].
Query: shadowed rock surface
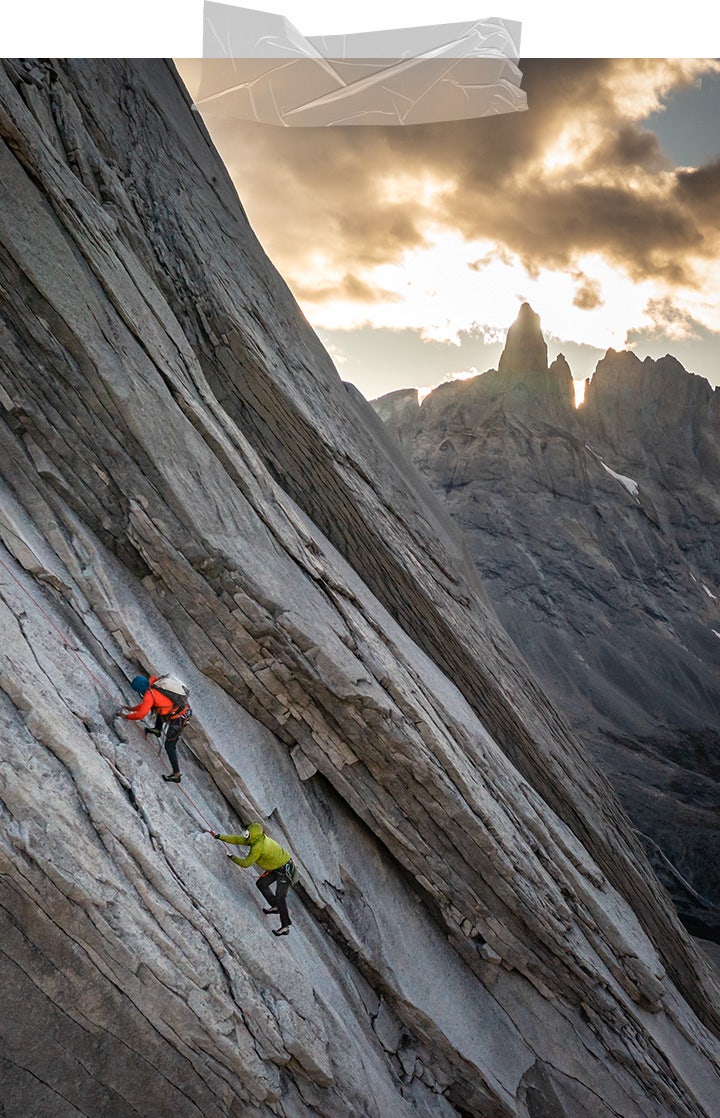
[597,535]
[187,486]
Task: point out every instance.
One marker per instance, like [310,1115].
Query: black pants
[277,899]
[175,727]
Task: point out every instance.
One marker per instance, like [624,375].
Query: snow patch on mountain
[626,482]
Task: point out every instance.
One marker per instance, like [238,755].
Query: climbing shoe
[271,911]
[152,733]
[172,778]
[281,931]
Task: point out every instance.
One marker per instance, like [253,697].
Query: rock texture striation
[187,486]
[596,533]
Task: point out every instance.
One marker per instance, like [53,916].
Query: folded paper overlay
[257,66]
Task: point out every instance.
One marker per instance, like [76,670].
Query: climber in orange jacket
[167,698]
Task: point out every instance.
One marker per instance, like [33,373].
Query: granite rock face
[187,486]
[596,533]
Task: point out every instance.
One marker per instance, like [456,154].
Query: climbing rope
[99,682]
[198,812]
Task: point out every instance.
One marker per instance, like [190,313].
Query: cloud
[374,225]
[673,322]
[588,295]
[628,148]
[643,231]
[350,288]
[699,190]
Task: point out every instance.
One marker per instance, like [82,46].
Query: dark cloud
[340,191]
[319,188]
[350,287]
[699,190]
[547,224]
[588,295]
[629,147]
[492,151]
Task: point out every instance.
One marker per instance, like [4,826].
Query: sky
[410,249]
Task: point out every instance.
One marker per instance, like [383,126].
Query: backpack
[174,690]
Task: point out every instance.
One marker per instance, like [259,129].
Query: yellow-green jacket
[268,854]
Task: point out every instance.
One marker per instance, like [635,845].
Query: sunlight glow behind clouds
[641,85]
[451,283]
[442,232]
[452,286]
[403,188]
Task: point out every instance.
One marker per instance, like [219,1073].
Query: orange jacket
[151,700]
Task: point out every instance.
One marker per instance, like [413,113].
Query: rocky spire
[525,349]
[560,383]
[524,368]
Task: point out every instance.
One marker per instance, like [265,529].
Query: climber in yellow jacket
[278,869]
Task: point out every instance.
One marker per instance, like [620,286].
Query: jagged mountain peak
[647,375]
[630,401]
[561,364]
[525,349]
[522,383]
[532,387]
[599,544]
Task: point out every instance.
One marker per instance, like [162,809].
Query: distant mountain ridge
[596,532]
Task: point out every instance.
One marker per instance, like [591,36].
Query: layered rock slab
[164,504]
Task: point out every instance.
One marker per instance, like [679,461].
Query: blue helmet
[140,684]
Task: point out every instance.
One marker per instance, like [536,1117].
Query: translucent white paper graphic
[257,66]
